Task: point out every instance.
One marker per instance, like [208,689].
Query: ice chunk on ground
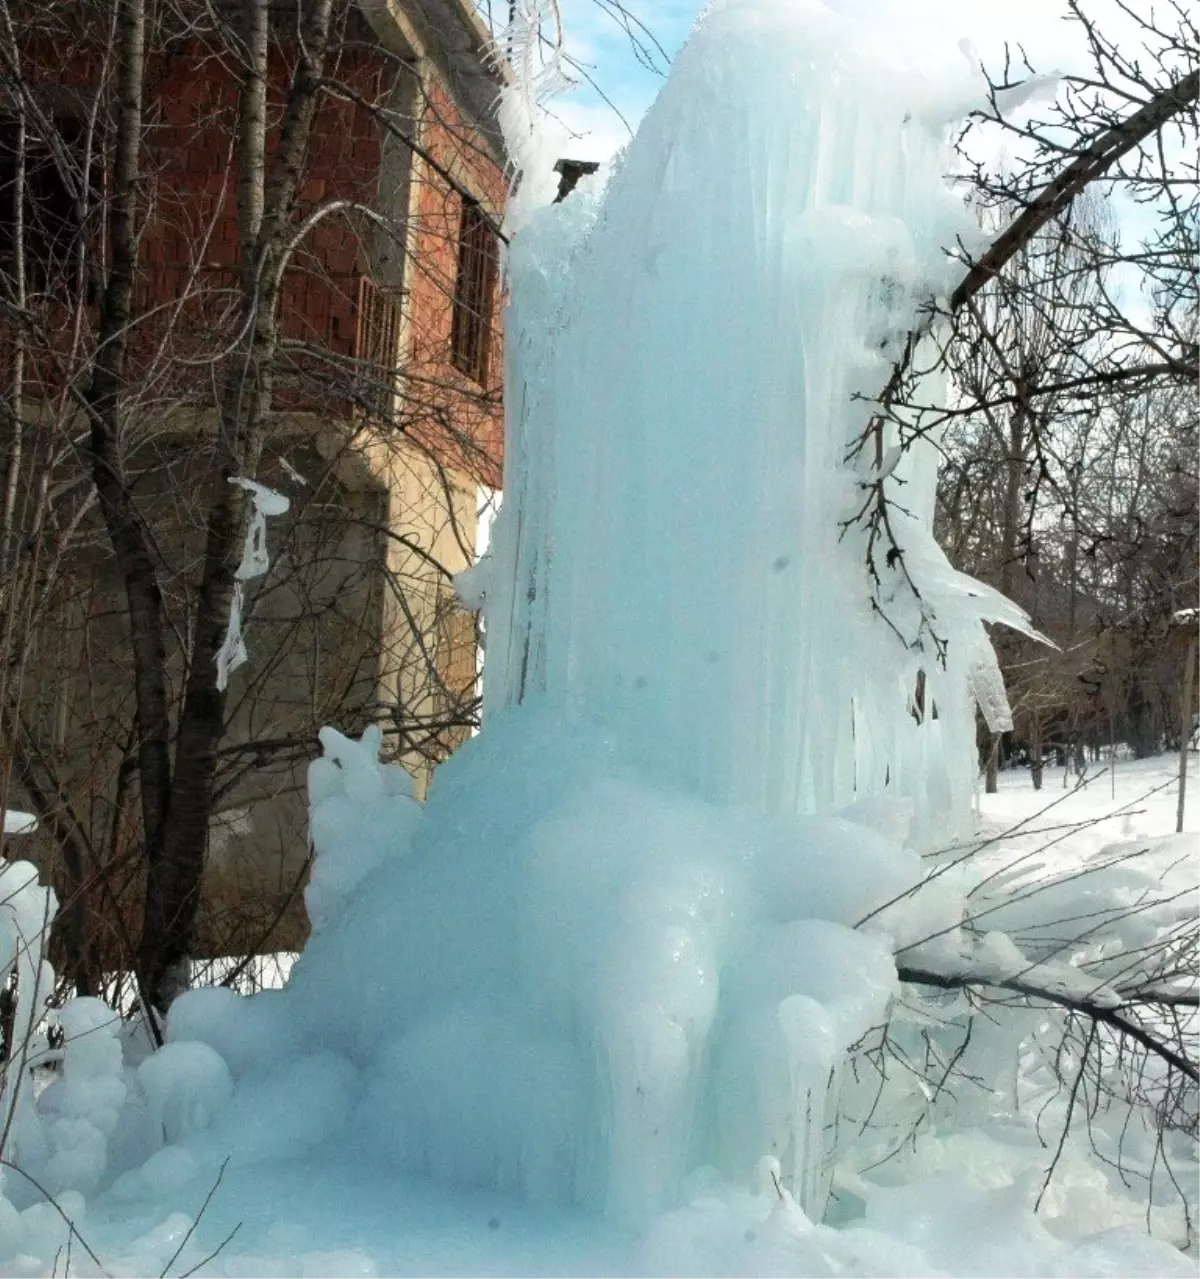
[185,1084]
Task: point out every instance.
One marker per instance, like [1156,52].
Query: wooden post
[1036,763]
[1185,727]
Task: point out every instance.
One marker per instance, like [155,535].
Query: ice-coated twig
[255,563]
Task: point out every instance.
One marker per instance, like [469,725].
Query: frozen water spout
[687,355]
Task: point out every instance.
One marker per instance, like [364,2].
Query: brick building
[386,422]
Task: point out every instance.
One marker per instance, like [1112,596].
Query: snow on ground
[1128,799]
[298,1197]
[18,823]
[322,1218]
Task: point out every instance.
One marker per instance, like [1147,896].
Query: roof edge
[453,37]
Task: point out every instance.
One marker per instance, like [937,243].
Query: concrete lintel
[451,36]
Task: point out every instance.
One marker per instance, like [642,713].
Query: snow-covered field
[1125,800]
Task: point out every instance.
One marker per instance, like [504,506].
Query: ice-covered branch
[1097,1010]
[1099,145]
[1093,162]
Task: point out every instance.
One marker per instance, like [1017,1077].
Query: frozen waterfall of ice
[621,936]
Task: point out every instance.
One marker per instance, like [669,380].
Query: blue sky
[928,30]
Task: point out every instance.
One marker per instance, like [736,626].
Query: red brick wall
[191,236]
[435,248]
[189,247]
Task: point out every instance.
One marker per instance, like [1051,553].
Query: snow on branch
[255,563]
[1096,1007]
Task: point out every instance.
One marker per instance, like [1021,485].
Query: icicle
[987,684]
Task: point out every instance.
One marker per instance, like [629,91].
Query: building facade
[385,426]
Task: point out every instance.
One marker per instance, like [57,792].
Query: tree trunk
[1143,737]
[1185,725]
[264,209]
[991,782]
[126,531]
[1014,467]
[1036,764]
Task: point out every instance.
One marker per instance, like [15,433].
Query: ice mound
[572,986]
[346,788]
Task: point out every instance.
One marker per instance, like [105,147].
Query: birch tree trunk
[265,201]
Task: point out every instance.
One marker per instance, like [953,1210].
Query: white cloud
[597,130]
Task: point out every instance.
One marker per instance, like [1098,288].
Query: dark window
[51,209]
[474,294]
[377,345]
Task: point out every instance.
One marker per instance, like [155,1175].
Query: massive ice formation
[577,986]
[686,347]
[643,916]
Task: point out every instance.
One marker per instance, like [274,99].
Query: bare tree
[224,223]
[1027,332]
[1037,334]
